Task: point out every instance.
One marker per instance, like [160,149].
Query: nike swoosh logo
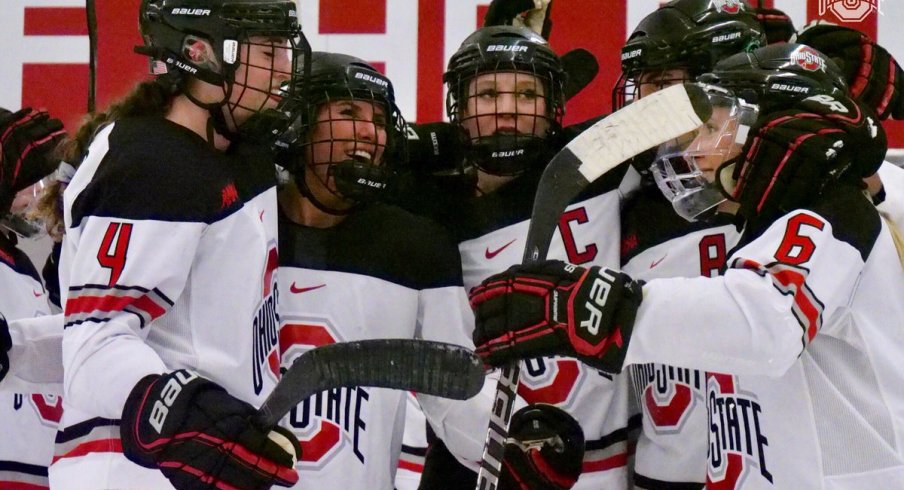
[297,290]
[261,215]
[37,294]
[490,255]
[656,262]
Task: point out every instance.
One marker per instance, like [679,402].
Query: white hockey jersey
[491,238]
[169,262]
[672,445]
[381,273]
[808,319]
[28,421]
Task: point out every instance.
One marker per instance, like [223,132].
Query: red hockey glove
[545,449]
[6,343]
[795,153]
[776,25]
[200,436]
[27,141]
[554,308]
[874,77]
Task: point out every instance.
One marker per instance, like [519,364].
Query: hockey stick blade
[635,128]
[431,368]
[624,134]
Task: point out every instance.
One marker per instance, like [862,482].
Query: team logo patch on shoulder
[808,59]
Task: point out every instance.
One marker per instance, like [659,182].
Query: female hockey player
[28,420]
[793,317]
[354,268]
[169,259]
[505,93]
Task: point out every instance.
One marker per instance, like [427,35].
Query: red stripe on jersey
[804,301]
[17,485]
[410,466]
[612,462]
[98,446]
[87,304]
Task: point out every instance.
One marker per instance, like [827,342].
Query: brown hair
[148,98]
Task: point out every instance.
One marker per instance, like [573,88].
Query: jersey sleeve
[110,305]
[778,292]
[36,356]
[134,219]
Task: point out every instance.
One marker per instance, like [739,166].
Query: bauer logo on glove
[554,308]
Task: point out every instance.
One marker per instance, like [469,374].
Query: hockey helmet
[775,75]
[366,171]
[519,51]
[690,35]
[202,39]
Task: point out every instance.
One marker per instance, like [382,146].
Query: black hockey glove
[200,436]
[874,77]
[554,308]
[793,154]
[6,343]
[27,140]
[544,449]
[533,14]
[776,25]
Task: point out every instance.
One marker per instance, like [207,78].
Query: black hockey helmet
[774,75]
[685,34]
[179,34]
[498,49]
[358,177]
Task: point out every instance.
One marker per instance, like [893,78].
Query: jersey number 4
[112,253]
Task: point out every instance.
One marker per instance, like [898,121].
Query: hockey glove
[794,154]
[545,449]
[27,140]
[554,308]
[776,25]
[874,77]
[200,436]
[533,14]
[6,343]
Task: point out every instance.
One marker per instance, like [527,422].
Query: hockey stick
[635,128]
[91,15]
[431,368]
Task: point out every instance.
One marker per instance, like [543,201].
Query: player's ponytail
[149,98]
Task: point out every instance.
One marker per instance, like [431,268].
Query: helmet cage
[537,76]
[366,171]
[211,39]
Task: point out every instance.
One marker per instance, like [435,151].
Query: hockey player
[789,317]
[169,260]
[675,43]
[656,243]
[28,421]
[352,268]
[505,92]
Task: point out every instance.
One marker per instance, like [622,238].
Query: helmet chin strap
[216,123]
[302,185]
